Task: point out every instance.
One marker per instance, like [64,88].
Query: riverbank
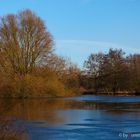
[118,93]
[47,96]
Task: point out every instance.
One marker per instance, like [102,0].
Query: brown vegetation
[28,65]
[30,68]
[113,72]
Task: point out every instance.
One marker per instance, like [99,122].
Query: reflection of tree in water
[47,110]
[120,109]
[8,129]
[42,110]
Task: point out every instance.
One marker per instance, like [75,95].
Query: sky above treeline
[82,27]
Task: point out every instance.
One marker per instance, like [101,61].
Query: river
[85,117]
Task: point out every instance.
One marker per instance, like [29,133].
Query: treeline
[28,65]
[113,72]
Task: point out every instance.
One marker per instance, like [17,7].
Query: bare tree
[108,71]
[55,63]
[23,41]
[93,69]
[134,72]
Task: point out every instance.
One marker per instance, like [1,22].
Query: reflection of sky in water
[116,99]
[88,124]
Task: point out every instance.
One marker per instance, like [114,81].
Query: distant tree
[93,64]
[71,75]
[108,71]
[114,68]
[23,41]
[133,62]
[93,69]
[54,63]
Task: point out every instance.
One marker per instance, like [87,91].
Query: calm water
[76,118]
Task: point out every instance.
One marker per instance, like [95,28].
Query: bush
[34,86]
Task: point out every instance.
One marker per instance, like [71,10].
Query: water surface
[76,118]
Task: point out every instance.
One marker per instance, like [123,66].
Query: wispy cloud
[89,43]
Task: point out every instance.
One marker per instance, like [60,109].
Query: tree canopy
[24,40]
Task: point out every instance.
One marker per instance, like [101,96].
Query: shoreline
[83,93]
[119,93]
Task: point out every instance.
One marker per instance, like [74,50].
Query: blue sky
[81,27]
